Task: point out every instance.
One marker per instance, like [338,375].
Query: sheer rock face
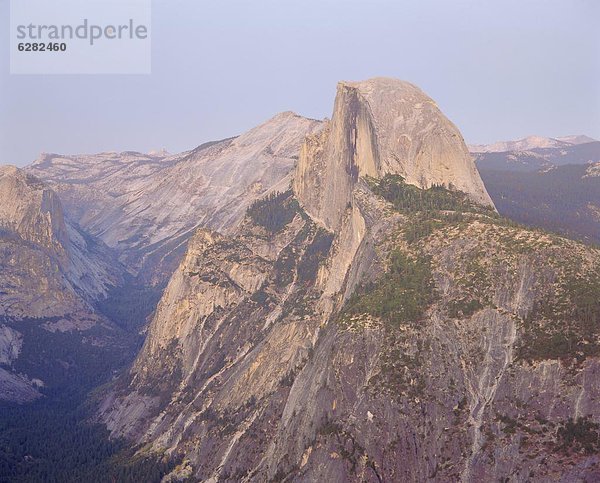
[50,276]
[31,210]
[382,126]
[250,373]
[148,206]
[49,268]
[34,244]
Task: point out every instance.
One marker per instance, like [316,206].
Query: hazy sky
[498,69]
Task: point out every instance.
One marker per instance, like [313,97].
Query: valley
[554,188]
[336,300]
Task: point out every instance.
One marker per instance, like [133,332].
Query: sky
[498,69]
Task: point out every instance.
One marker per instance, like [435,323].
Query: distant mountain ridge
[553,187]
[563,199]
[146,206]
[531,142]
[536,159]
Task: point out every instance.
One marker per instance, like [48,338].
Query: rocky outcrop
[70,269]
[11,342]
[345,332]
[31,210]
[51,274]
[147,206]
[382,126]
[248,373]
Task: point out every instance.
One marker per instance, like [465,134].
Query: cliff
[380,322]
[382,126]
[51,274]
[147,206]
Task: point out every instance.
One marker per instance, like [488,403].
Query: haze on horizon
[498,70]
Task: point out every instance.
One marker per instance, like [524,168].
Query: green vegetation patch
[581,435]
[474,287]
[401,295]
[566,324]
[464,307]
[314,254]
[410,199]
[52,439]
[274,211]
[401,367]
[70,359]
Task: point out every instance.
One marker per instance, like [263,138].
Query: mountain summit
[531,142]
[382,126]
[148,206]
[379,322]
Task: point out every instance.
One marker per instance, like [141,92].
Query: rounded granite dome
[383,126]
